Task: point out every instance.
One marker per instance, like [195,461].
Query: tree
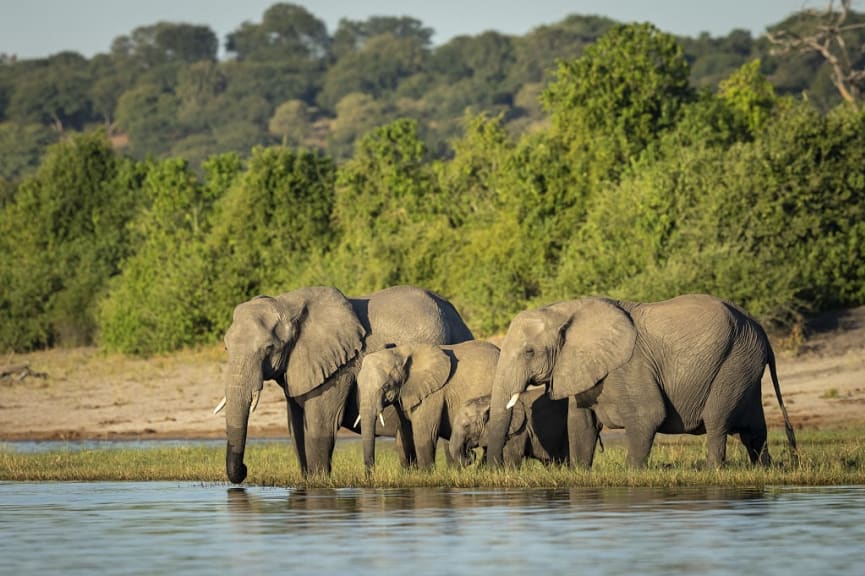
[356,114]
[159,302]
[537,52]
[386,203]
[828,34]
[64,236]
[21,147]
[198,86]
[714,58]
[274,219]
[148,47]
[609,104]
[54,91]
[376,69]
[286,31]
[292,123]
[352,35]
[749,96]
[148,115]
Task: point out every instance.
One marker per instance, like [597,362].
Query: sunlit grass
[834,457]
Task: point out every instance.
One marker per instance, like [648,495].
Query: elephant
[427,384]
[311,341]
[689,365]
[538,429]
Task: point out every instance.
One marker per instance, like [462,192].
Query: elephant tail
[788,427]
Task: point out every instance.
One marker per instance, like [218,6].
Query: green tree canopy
[612,102]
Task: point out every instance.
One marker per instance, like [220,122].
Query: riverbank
[826,458]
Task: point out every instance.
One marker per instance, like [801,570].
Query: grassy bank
[827,457]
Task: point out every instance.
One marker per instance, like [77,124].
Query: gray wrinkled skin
[311,342]
[426,384]
[690,365]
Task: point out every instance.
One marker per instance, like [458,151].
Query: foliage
[386,203]
[163,90]
[64,236]
[612,102]
[272,220]
[637,186]
[158,303]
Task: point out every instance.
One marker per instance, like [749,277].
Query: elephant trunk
[500,421]
[370,407]
[240,386]
[461,446]
[506,387]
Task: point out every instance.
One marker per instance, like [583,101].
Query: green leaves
[63,237]
[614,100]
[637,188]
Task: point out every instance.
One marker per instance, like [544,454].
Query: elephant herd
[401,362]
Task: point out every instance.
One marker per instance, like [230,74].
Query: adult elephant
[311,342]
[689,365]
[427,385]
[538,429]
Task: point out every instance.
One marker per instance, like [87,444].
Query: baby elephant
[538,429]
[427,384]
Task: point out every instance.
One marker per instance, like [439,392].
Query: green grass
[832,457]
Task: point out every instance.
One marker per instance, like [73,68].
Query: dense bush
[63,235]
[637,194]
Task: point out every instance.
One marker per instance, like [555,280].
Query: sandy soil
[84,393]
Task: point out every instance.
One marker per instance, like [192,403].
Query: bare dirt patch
[85,394]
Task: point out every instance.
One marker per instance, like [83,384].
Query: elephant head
[469,431]
[569,347]
[299,339]
[402,376]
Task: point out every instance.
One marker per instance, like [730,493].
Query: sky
[37,28]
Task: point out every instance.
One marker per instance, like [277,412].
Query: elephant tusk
[356,422]
[220,406]
[255,400]
[381,418]
[512,401]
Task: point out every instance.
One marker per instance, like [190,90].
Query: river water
[188,528]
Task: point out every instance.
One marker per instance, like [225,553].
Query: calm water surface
[173,528]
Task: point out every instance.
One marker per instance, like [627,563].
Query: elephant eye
[528,352]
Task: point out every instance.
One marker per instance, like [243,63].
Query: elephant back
[405,314]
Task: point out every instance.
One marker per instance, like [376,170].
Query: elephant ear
[428,368]
[596,337]
[328,334]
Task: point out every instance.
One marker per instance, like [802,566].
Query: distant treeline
[636,185]
[162,92]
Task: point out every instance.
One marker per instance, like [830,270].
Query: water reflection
[74,528]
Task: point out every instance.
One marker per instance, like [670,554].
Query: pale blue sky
[35,28]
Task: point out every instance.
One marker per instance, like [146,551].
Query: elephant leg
[515,449]
[296,429]
[405,443]
[735,405]
[752,426]
[755,444]
[323,416]
[639,442]
[716,444]
[583,433]
[425,440]
[753,435]
[426,452]
[449,459]
[645,413]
